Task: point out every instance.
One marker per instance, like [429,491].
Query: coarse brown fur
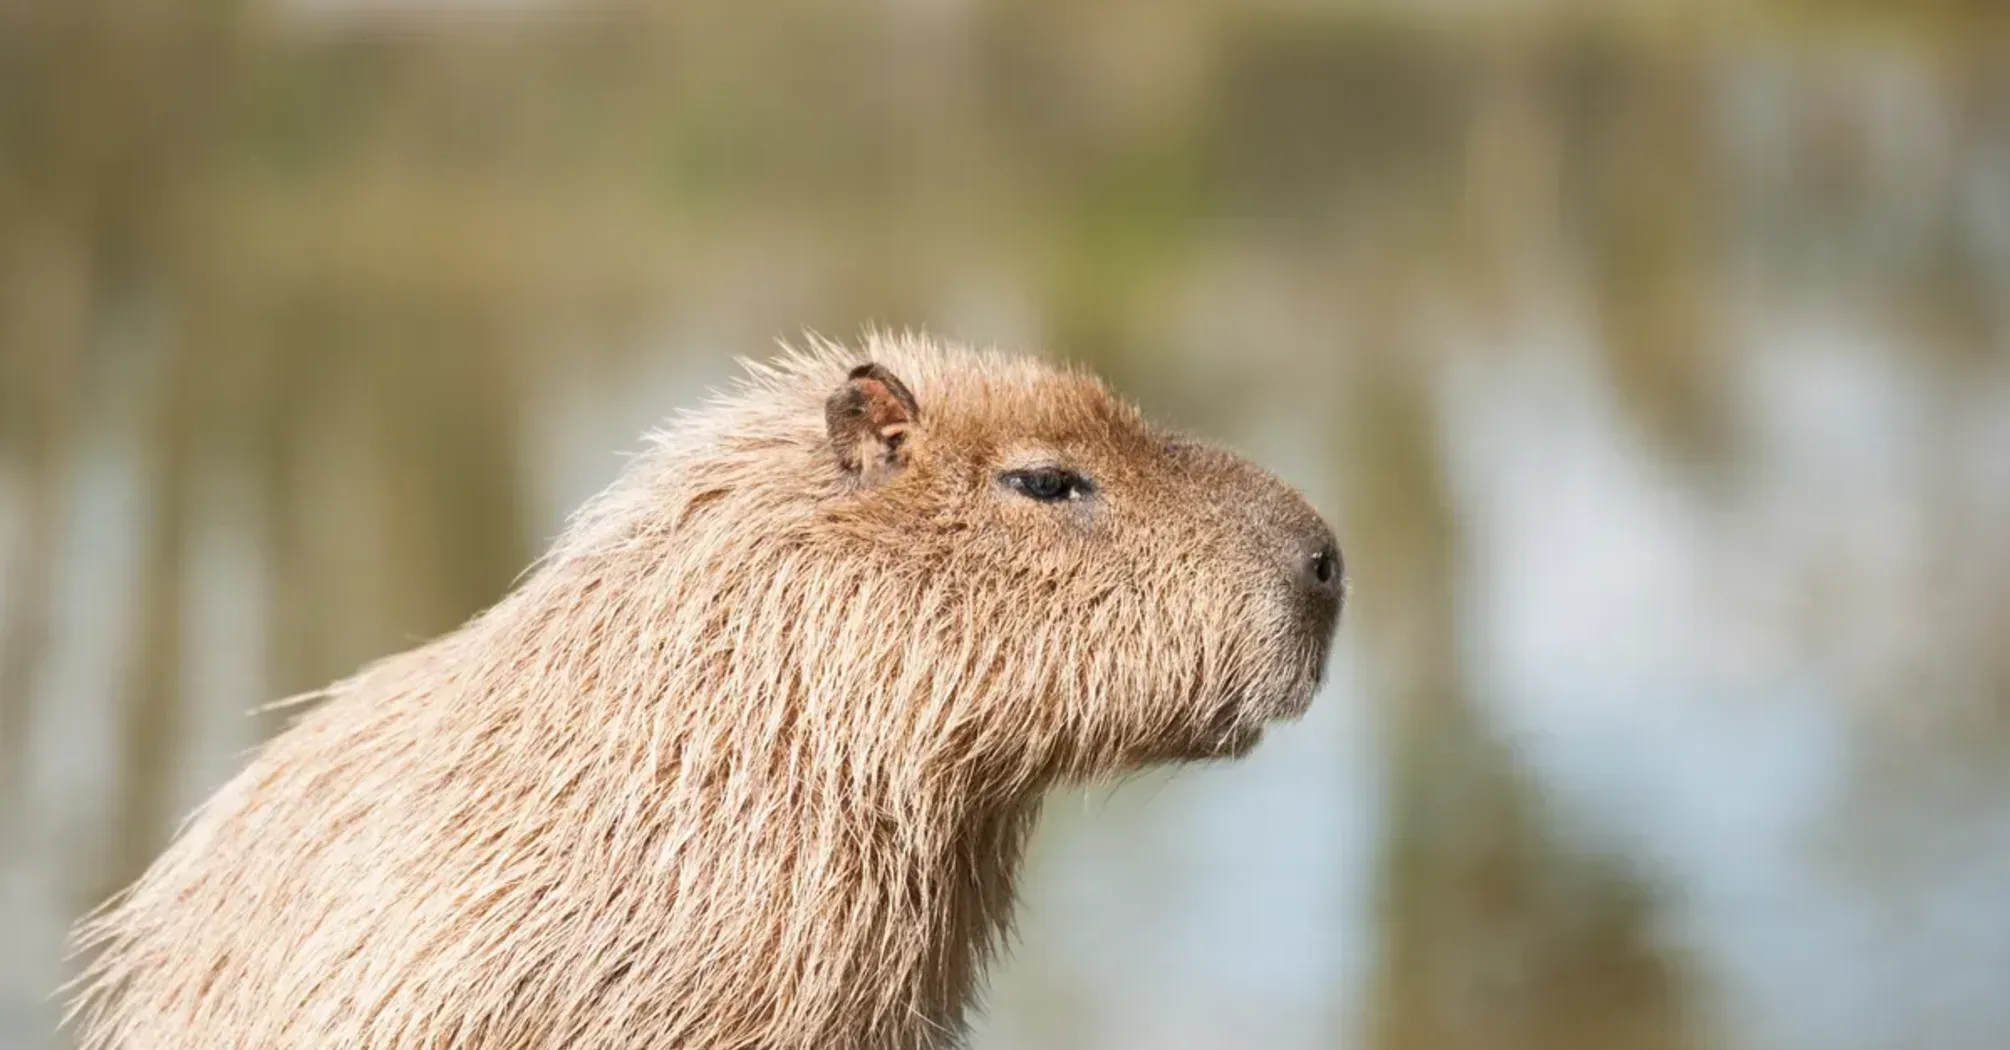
[749,760]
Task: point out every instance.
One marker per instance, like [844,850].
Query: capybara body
[748,760]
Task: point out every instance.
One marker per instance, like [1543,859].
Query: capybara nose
[1321,572]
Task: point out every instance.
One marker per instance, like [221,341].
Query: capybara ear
[870,419]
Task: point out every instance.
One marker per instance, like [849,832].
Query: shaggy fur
[749,760]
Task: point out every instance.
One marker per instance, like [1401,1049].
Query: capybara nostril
[1322,572]
[1322,565]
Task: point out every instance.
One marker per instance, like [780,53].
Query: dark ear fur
[869,419]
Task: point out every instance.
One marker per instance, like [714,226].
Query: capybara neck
[834,863]
[837,846]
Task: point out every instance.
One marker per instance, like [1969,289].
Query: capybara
[748,761]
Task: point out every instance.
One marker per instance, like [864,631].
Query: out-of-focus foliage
[317,276]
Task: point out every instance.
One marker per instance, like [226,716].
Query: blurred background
[1652,358]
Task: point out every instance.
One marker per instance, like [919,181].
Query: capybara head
[1033,580]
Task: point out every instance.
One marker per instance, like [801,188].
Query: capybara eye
[1046,484]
